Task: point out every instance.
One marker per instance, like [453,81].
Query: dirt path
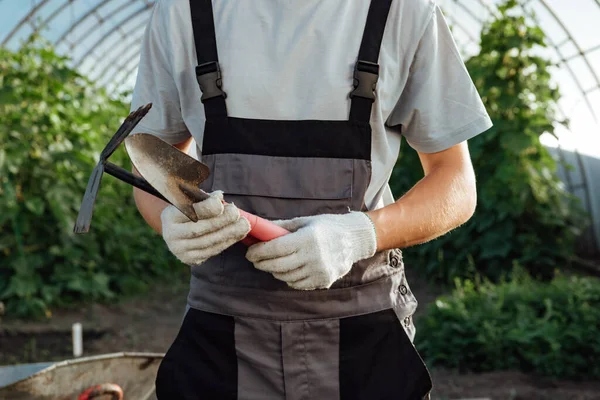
[149,324]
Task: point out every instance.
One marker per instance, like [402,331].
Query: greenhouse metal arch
[102,37]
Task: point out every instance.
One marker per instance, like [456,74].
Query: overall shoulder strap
[208,72]
[366,70]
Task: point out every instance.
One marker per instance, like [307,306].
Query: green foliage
[54,124]
[524,213]
[548,329]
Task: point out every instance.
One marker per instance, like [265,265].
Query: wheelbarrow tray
[133,372]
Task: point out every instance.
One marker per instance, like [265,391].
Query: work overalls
[248,335]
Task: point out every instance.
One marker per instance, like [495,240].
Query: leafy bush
[524,213]
[54,124]
[546,328]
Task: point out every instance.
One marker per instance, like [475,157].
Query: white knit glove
[320,250]
[218,227]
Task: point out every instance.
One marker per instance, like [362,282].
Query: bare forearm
[149,206]
[444,199]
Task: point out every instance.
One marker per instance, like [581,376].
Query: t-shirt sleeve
[155,83]
[439,106]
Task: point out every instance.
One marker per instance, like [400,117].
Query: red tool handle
[94,392]
[261,230]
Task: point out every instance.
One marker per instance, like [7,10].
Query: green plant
[547,328]
[524,213]
[54,124]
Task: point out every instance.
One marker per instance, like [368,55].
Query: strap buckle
[366,75]
[209,79]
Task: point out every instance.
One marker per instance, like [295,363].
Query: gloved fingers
[293,276]
[191,230]
[276,248]
[196,251]
[204,209]
[307,283]
[293,224]
[283,264]
[210,207]
[199,256]
[235,231]
[171,215]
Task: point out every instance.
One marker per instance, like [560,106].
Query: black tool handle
[133,180]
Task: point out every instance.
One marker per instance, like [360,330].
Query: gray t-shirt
[293,60]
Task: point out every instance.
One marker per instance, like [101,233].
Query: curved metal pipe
[584,177]
[123,51]
[588,196]
[119,68]
[54,14]
[116,49]
[101,21]
[128,18]
[580,50]
[23,21]
[80,21]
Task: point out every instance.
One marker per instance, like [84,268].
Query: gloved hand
[318,251]
[219,226]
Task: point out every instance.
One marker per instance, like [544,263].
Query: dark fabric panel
[374,28]
[215,107]
[284,177]
[260,369]
[309,351]
[204,30]
[286,138]
[201,363]
[312,185]
[205,39]
[360,109]
[378,361]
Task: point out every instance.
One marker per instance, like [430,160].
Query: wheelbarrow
[118,376]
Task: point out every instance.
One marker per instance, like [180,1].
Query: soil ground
[149,323]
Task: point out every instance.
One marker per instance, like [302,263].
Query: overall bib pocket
[286,169]
[284,187]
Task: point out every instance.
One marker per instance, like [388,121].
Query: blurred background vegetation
[512,307]
[524,214]
[515,301]
[54,125]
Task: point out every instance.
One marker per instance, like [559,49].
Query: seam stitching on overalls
[305,360]
[282,358]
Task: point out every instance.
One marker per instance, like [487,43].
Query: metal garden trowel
[171,172]
[177,176]
[167,173]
